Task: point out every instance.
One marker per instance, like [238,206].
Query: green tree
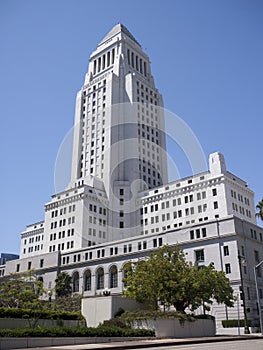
[63,285]
[22,290]
[210,285]
[259,207]
[167,278]
[71,303]
[25,291]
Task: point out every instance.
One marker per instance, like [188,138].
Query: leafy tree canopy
[21,290]
[167,278]
[63,285]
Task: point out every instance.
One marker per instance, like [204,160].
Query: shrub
[116,321]
[101,331]
[45,314]
[130,316]
[234,323]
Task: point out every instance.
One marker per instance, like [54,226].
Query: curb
[169,342]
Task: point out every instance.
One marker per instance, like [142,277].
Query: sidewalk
[137,344]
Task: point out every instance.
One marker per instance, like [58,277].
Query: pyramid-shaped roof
[117,29]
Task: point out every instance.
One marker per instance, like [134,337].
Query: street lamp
[242,261]
[258,296]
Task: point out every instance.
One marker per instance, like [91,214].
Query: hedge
[235,323]
[101,331]
[45,314]
[130,316]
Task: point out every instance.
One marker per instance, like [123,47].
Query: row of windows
[36,239]
[62,222]
[241,210]
[178,201]
[176,214]
[100,253]
[62,234]
[197,233]
[239,197]
[94,220]
[63,211]
[175,225]
[93,232]
[32,249]
[94,209]
[61,246]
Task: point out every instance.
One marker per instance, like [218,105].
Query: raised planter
[174,328]
[23,343]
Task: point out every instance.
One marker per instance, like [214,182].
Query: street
[253,344]
[249,344]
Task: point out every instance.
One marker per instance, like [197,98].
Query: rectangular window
[226,250]
[214,191]
[215,205]
[204,232]
[199,256]
[41,264]
[192,236]
[197,233]
[227,268]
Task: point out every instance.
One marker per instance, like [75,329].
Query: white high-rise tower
[119,73]
[119,133]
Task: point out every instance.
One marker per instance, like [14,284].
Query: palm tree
[259,206]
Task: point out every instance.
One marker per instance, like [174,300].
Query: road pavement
[208,343]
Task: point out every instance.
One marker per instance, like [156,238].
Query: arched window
[75,282]
[113,275]
[87,280]
[100,278]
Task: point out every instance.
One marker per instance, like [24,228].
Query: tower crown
[119,28]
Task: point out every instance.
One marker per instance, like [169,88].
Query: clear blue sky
[207,61]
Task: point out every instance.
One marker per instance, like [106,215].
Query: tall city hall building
[119,206]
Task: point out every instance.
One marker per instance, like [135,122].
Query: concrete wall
[98,309]
[174,329]
[23,343]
